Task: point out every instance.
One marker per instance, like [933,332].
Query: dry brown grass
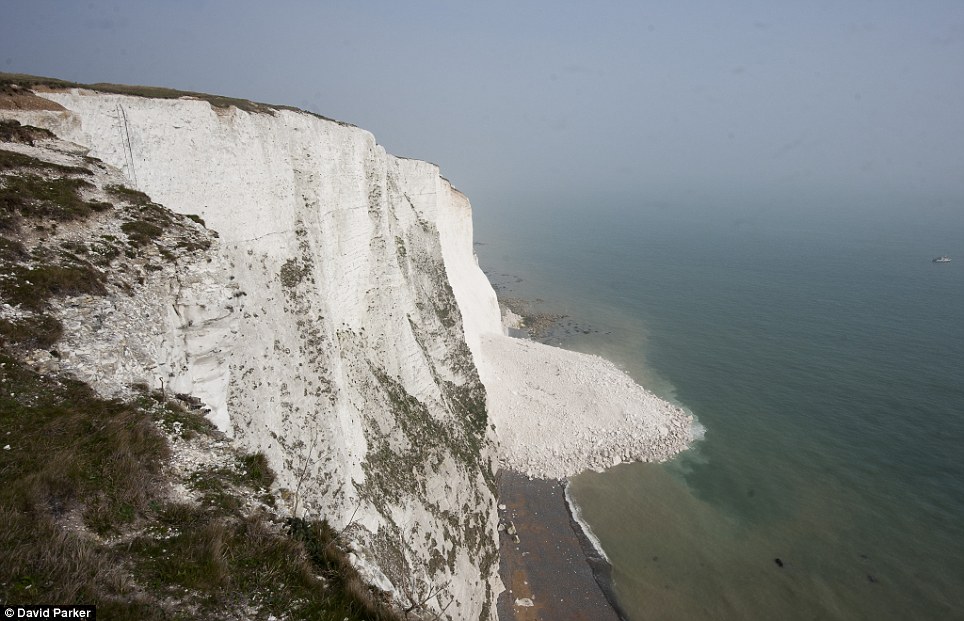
[13,97]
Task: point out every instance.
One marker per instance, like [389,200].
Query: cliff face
[337,328]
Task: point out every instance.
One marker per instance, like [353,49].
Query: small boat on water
[942,259]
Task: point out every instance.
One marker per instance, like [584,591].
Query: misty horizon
[562,105]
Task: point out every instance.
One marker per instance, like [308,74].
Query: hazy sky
[563,102]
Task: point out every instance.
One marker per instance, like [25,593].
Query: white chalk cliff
[341,327]
[335,330]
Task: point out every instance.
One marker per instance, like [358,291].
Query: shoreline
[550,567]
[581,413]
[596,558]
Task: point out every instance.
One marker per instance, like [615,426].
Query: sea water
[823,353]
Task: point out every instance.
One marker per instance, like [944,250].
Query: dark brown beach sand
[549,565]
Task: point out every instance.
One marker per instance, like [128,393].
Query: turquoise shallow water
[824,356]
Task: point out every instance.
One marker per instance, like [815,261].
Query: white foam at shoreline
[587,531]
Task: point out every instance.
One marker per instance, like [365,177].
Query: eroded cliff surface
[335,326]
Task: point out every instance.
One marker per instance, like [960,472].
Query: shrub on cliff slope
[50,195]
[30,332]
[12,131]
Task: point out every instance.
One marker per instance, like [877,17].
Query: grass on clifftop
[11,83]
